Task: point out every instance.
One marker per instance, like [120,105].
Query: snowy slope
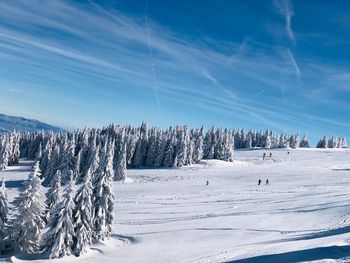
[170,215]
[11,123]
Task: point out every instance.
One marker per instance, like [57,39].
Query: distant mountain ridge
[14,123]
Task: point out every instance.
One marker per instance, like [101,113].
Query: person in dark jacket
[259,182]
[267,182]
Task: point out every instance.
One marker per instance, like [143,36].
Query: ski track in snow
[170,215]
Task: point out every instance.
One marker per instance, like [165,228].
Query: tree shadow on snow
[5,258]
[32,257]
[319,253]
[29,169]
[14,183]
[26,257]
[129,239]
[326,233]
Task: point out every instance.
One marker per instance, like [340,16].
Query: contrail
[294,63]
[257,94]
[155,88]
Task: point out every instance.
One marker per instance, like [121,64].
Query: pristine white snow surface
[166,215]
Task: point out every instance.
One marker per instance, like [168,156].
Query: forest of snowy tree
[267,139]
[67,201]
[333,142]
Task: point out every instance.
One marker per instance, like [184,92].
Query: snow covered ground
[165,215]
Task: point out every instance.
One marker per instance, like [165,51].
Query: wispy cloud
[112,56]
[14,90]
[285,8]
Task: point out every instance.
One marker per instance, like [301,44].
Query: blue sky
[281,65]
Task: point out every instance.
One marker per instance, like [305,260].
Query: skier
[264,156]
[270,155]
[259,182]
[287,153]
[267,182]
[207,182]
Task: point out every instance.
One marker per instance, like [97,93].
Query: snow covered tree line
[333,142]
[60,224]
[73,152]
[176,147]
[9,149]
[268,139]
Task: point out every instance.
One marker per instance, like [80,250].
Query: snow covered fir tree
[4,220]
[59,239]
[29,222]
[83,215]
[76,171]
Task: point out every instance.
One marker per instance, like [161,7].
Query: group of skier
[266,182]
[259,181]
[270,155]
[264,155]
